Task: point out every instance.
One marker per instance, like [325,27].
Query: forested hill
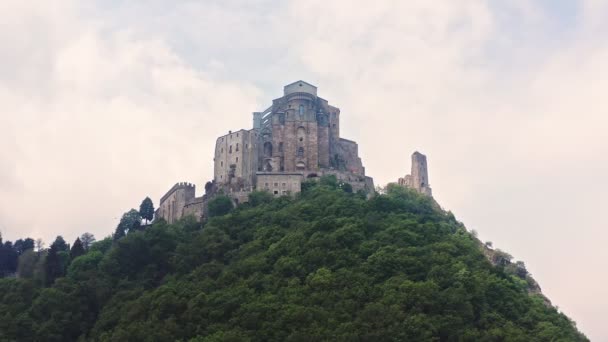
[326,266]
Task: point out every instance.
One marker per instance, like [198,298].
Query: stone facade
[235,159]
[298,133]
[172,204]
[419,177]
[280,183]
[296,138]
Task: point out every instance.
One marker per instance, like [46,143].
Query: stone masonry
[295,139]
[419,177]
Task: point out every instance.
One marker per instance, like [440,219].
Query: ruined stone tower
[418,179]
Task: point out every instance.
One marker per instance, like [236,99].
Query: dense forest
[328,265]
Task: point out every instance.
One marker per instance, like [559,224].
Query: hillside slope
[329,265]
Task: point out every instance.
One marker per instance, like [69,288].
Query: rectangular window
[276,184]
[283,184]
[276,192]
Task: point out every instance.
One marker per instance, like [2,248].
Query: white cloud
[99,120]
[104,104]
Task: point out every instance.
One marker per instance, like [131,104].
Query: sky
[103,103]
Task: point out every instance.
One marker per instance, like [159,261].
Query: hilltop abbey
[295,139]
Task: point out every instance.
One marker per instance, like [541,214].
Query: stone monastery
[295,139]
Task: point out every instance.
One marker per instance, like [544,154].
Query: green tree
[220,205]
[60,244]
[146,209]
[53,268]
[8,259]
[129,222]
[259,197]
[27,264]
[77,249]
[346,187]
[325,266]
[21,246]
[329,180]
[87,240]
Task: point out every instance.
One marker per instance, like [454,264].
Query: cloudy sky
[105,102]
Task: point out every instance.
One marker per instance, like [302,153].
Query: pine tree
[146,209]
[60,244]
[52,265]
[77,249]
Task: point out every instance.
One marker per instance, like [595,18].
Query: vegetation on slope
[329,265]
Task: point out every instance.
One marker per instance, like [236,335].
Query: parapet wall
[178,186]
[172,204]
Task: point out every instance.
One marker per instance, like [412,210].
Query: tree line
[28,258]
[327,265]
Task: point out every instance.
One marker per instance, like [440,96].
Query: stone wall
[195,208]
[357,181]
[235,159]
[300,87]
[173,202]
[294,134]
[346,156]
[419,177]
[280,184]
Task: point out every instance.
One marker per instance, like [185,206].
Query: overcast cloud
[103,103]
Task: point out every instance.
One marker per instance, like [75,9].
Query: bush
[220,205]
[259,197]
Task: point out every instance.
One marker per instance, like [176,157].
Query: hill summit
[325,265]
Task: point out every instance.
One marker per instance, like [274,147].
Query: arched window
[301,110]
[301,152]
[280,146]
[237,147]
